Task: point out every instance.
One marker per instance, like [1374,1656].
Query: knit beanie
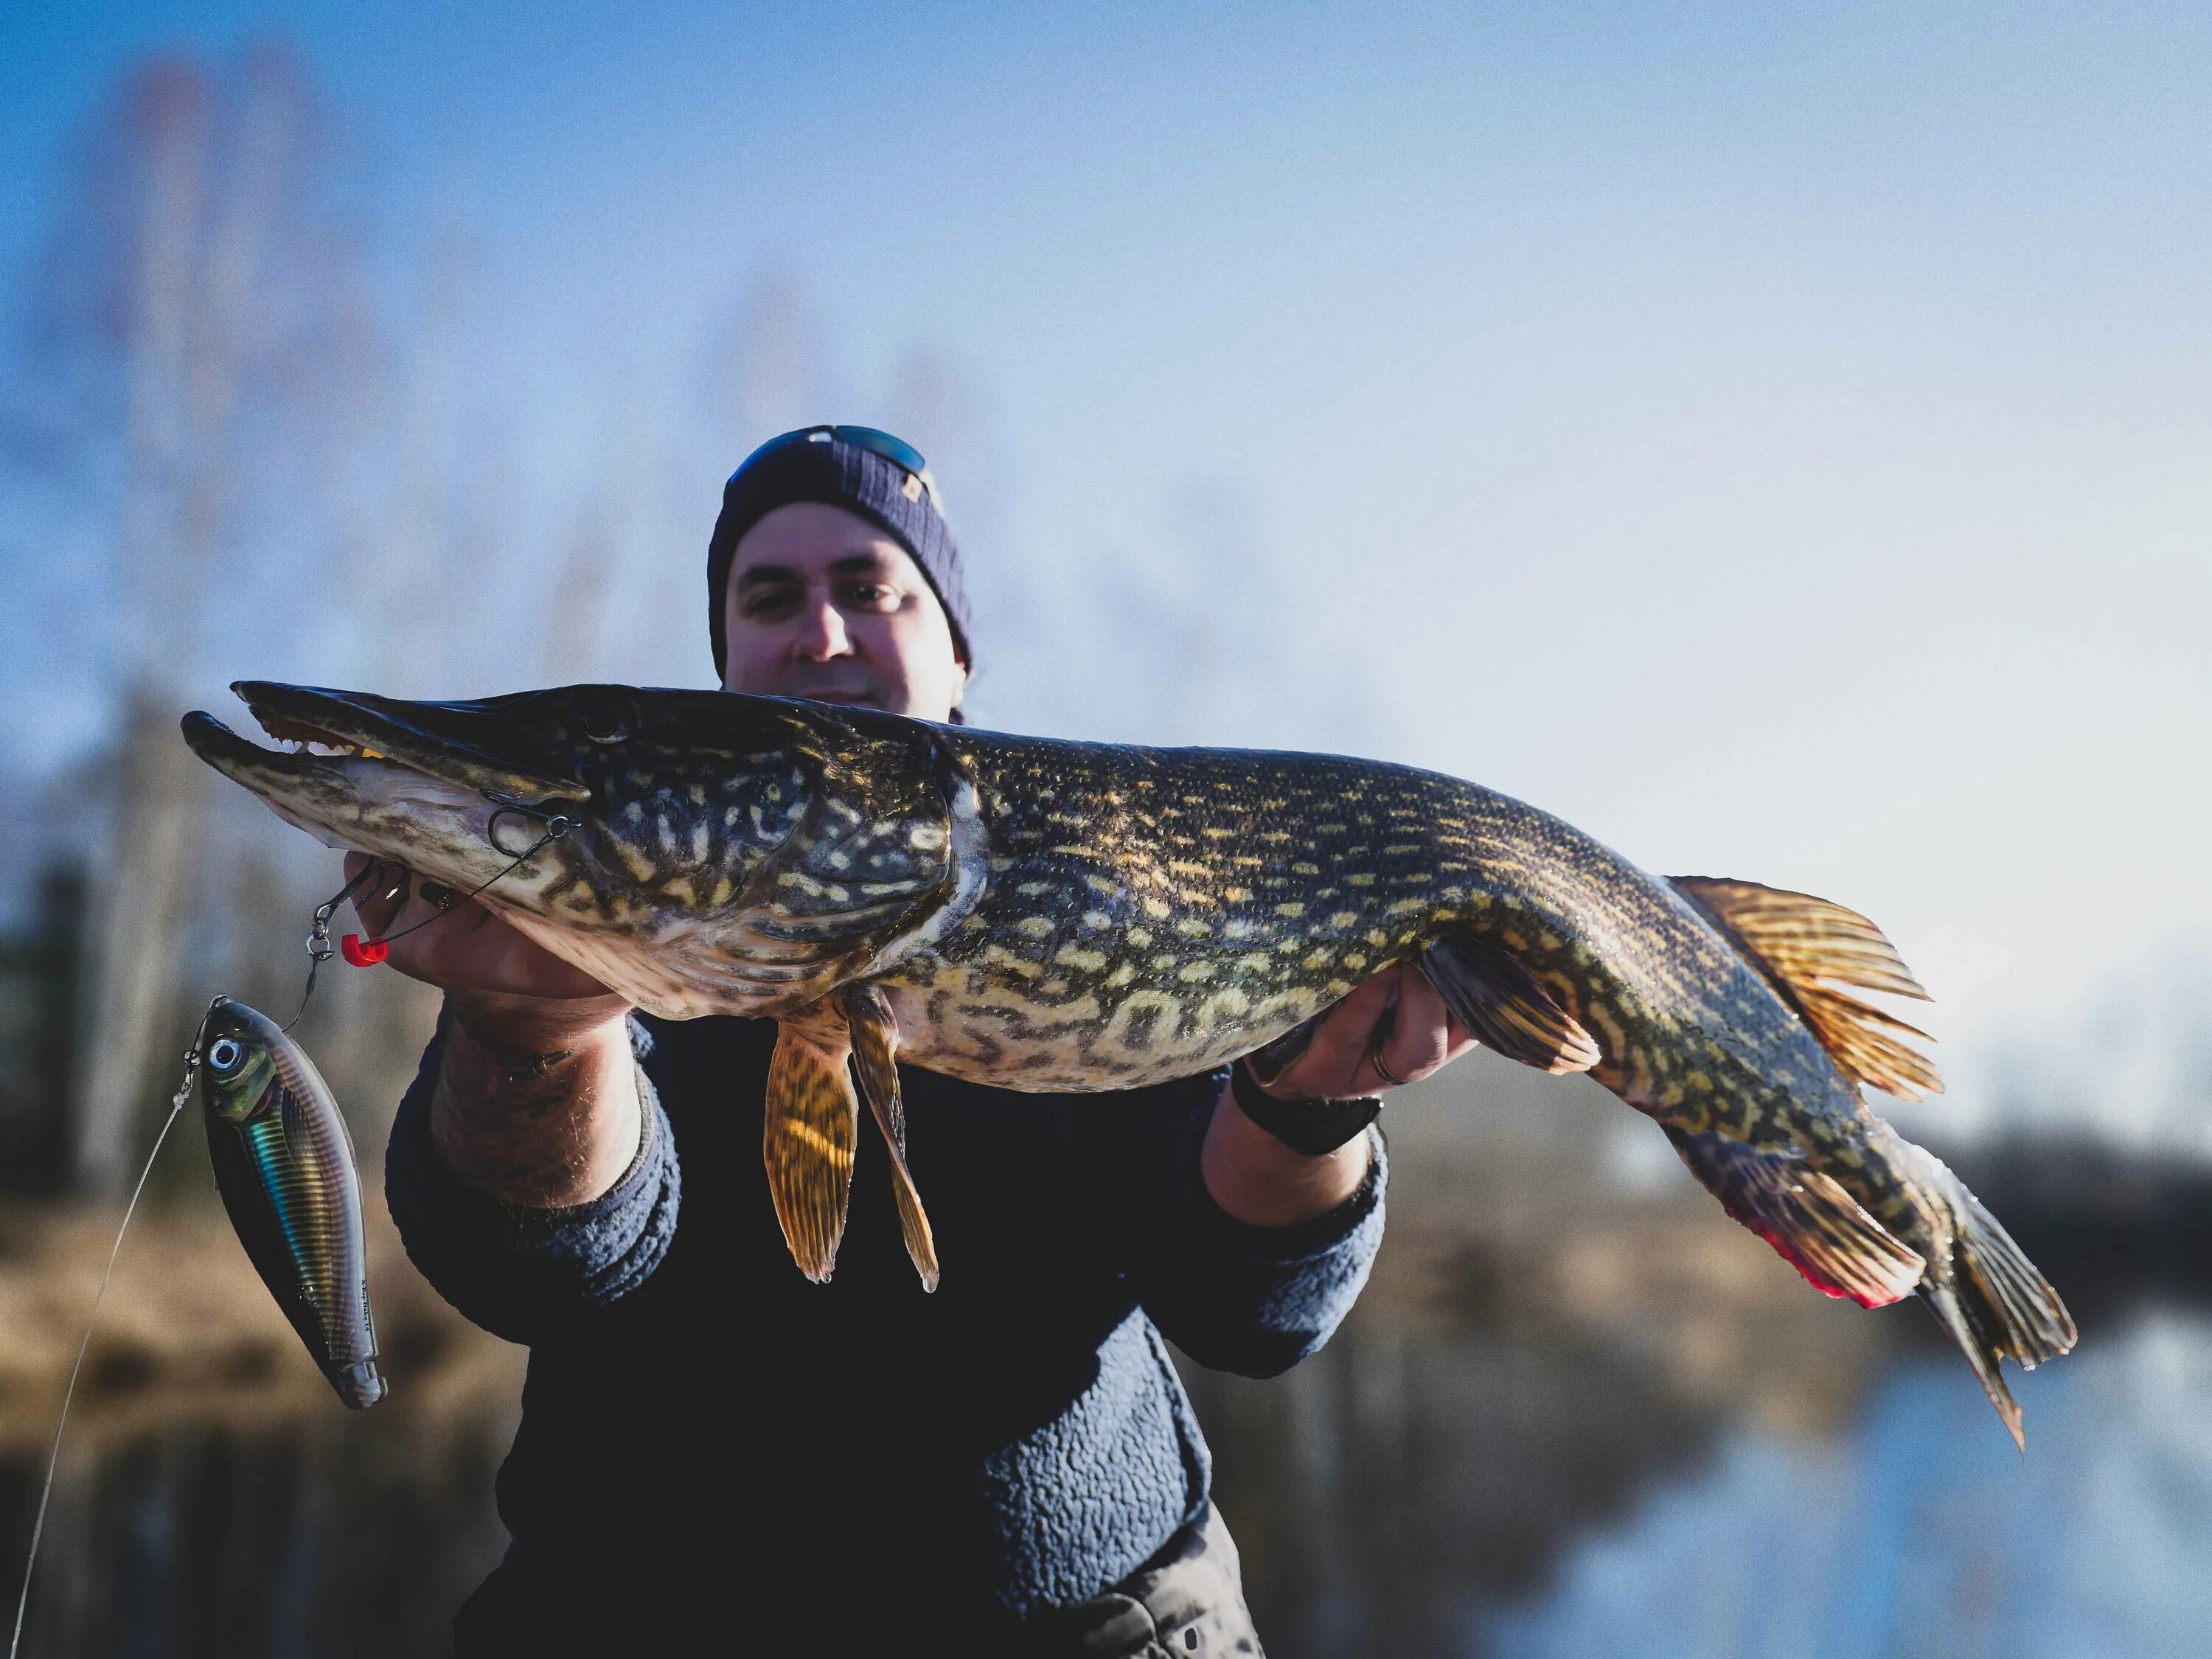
[814,464]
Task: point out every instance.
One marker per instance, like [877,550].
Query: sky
[1774,438]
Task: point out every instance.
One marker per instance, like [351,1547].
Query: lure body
[285,1164]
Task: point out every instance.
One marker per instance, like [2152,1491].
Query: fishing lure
[285,1164]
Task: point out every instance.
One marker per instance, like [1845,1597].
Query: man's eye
[763,604]
[872,596]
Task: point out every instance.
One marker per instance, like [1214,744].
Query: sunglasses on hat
[899,452]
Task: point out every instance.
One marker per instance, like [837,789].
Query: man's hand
[468,951]
[536,1101]
[1396,1017]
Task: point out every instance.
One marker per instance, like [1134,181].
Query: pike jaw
[700,871]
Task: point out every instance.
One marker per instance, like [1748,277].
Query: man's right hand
[467,949]
[535,1101]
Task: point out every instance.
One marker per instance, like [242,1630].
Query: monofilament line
[53,1457]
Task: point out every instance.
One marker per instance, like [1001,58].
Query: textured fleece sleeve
[1234,1297]
[521,1272]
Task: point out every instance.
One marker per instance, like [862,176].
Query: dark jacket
[702,1428]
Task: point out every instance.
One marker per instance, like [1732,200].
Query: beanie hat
[818,463]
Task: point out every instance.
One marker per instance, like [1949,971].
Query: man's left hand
[1396,1018]
[1392,1029]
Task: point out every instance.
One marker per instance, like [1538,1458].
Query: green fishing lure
[285,1164]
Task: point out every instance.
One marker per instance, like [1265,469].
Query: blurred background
[1774,438]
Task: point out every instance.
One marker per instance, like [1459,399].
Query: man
[713,1449]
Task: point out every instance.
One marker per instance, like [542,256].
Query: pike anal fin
[875,1050]
[810,1129]
[1814,1225]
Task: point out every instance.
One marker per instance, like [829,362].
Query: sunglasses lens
[896,451]
[783,441]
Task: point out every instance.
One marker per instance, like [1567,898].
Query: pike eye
[225,1055]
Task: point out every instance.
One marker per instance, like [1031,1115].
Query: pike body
[285,1164]
[1055,916]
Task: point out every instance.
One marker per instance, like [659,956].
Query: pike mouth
[328,734]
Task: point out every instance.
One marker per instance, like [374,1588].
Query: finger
[1334,1065]
[1420,1041]
[1347,1030]
[378,897]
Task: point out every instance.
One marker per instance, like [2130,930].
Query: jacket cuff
[1302,1240]
[509,1268]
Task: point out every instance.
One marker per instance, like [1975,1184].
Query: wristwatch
[1313,1127]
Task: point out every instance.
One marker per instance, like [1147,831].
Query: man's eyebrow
[854,564]
[861,564]
[753,576]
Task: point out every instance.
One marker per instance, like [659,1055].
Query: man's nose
[821,635]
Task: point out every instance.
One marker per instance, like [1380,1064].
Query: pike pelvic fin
[1813,1224]
[1501,1002]
[875,1049]
[809,1133]
[1795,941]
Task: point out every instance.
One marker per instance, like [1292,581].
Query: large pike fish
[1047,915]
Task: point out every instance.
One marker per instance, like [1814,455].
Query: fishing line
[53,1458]
[364,953]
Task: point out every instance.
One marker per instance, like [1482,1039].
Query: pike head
[721,854]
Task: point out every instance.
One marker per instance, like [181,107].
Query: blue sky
[1773,438]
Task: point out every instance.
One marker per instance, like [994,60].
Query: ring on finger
[1375,1059]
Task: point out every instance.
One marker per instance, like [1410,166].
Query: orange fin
[1500,1001]
[1797,941]
[875,1049]
[811,1126]
[1817,1227]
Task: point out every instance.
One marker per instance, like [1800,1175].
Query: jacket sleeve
[522,1272]
[1234,1297]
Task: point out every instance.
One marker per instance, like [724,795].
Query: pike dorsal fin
[1501,1004]
[875,1051]
[1796,941]
[1817,1227]
[810,1129]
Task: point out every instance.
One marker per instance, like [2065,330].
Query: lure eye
[224,1055]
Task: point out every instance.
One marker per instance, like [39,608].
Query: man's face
[821,603]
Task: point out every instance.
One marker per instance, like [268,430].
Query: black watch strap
[1312,1127]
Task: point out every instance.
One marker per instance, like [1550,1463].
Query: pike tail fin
[1996,1306]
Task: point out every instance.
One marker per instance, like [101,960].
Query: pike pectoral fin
[1816,1226]
[1500,1001]
[1795,941]
[875,1049]
[812,1124]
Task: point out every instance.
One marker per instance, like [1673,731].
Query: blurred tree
[195,327]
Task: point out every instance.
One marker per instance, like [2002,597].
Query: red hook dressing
[360,952]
